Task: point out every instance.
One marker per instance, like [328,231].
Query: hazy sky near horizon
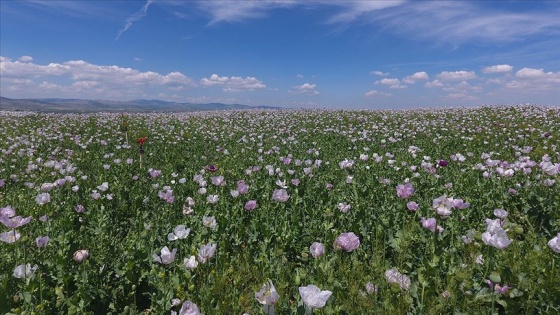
[292,53]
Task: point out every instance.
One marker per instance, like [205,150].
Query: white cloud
[392,83]
[355,9]
[379,73]
[418,76]
[459,22]
[25,59]
[376,93]
[235,11]
[134,18]
[530,73]
[80,76]
[456,75]
[306,88]
[434,83]
[530,79]
[497,69]
[234,84]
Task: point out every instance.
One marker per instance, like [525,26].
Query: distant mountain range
[63,105]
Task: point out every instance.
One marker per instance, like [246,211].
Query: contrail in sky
[135,17]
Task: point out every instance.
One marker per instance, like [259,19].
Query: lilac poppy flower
[280,195]
[443,205]
[212,199]
[7,212]
[313,297]
[460,204]
[188,308]
[554,243]
[179,232]
[166,256]
[42,241]
[267,296]
[429,224]
[250,205]
[393,276]
[209,222]
[154,173]
[242,187]
[24,271]
[405,191]
[190,263]
[218,180]
[370,288]
[344,207]
[80,255]
[80,208]
[347,242]
[43,198]
[495,235]
[500,213]
[206,252]
[10,236]
[412,206]
[15,222]
[317,250]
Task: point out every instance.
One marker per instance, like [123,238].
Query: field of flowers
[452,211]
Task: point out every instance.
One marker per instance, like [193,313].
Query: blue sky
[313,53]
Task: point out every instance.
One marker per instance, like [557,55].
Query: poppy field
[427,211]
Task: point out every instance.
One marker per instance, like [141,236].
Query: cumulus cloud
[531,79]
[306,88]
[530,73]
[392,83]
[456,75]
[76,76]
[233,84]
[376,93]
[434,83]
[418,76]
[25,59]
[498,69]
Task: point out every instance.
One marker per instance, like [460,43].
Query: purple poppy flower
[347,242]
[211,168]
[443,163]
